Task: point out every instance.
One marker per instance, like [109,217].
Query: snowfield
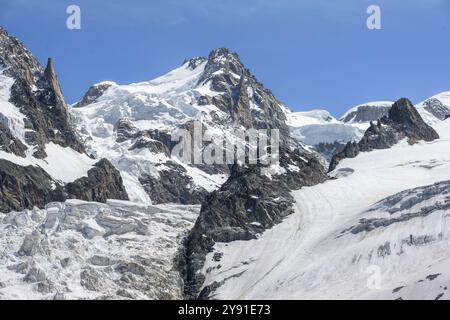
[326,251]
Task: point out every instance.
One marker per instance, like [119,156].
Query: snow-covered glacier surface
[380,230]
[83,250]
[163,104]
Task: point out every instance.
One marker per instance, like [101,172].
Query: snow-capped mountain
[95,205]
[41,158]
[385,215]
[131,125]
[436,107]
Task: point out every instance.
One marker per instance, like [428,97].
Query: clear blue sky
[310,53]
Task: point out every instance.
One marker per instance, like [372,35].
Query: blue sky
[310,53]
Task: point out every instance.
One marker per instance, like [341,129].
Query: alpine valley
[93,205]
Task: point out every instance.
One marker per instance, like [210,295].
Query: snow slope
[62,164]
[319,126]
[10,116]
[165,103]
[313,254]
[433,109]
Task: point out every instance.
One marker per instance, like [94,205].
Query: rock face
[229,77]
[251,201]
[103,182]
[37,94]
[35,115]
[437,108]
[172,186]
[403,121]
[93,94]
[30,186]
[26,187]
[131,125]
[9,143]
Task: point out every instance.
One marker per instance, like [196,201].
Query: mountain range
[94,204]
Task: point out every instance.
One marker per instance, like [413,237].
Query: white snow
[373,103]
[164,103]
[319,126]
[443,97]
[307,257]
[10,116]
[62,164]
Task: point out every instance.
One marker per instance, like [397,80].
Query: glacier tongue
[402,242]
[83,250]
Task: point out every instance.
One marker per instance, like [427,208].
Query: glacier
[313,255]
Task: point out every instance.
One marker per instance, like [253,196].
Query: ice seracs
[89,250]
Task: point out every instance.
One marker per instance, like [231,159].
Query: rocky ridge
[33,116]
[403,121]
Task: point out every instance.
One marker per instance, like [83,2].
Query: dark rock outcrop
[233,81]
[172,185]
[93,93]
[26,187]
[250,202]
[103,182]
[153,139]
[11,144]
[403,121]
[37,94]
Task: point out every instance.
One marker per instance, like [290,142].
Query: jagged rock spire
[53,83]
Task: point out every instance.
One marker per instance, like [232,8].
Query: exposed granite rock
[251,201]
[154,146]
[37,94]
[93,93]
[26,187]
[125,130]
[437,108]
[239,89]
[103,182]
[9,143]
[240,111]
[17,61]
[47,116]
[172,185]
[403,121]
[153,139]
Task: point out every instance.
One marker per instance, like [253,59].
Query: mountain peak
[194,62]
[221,52]
[404,111]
